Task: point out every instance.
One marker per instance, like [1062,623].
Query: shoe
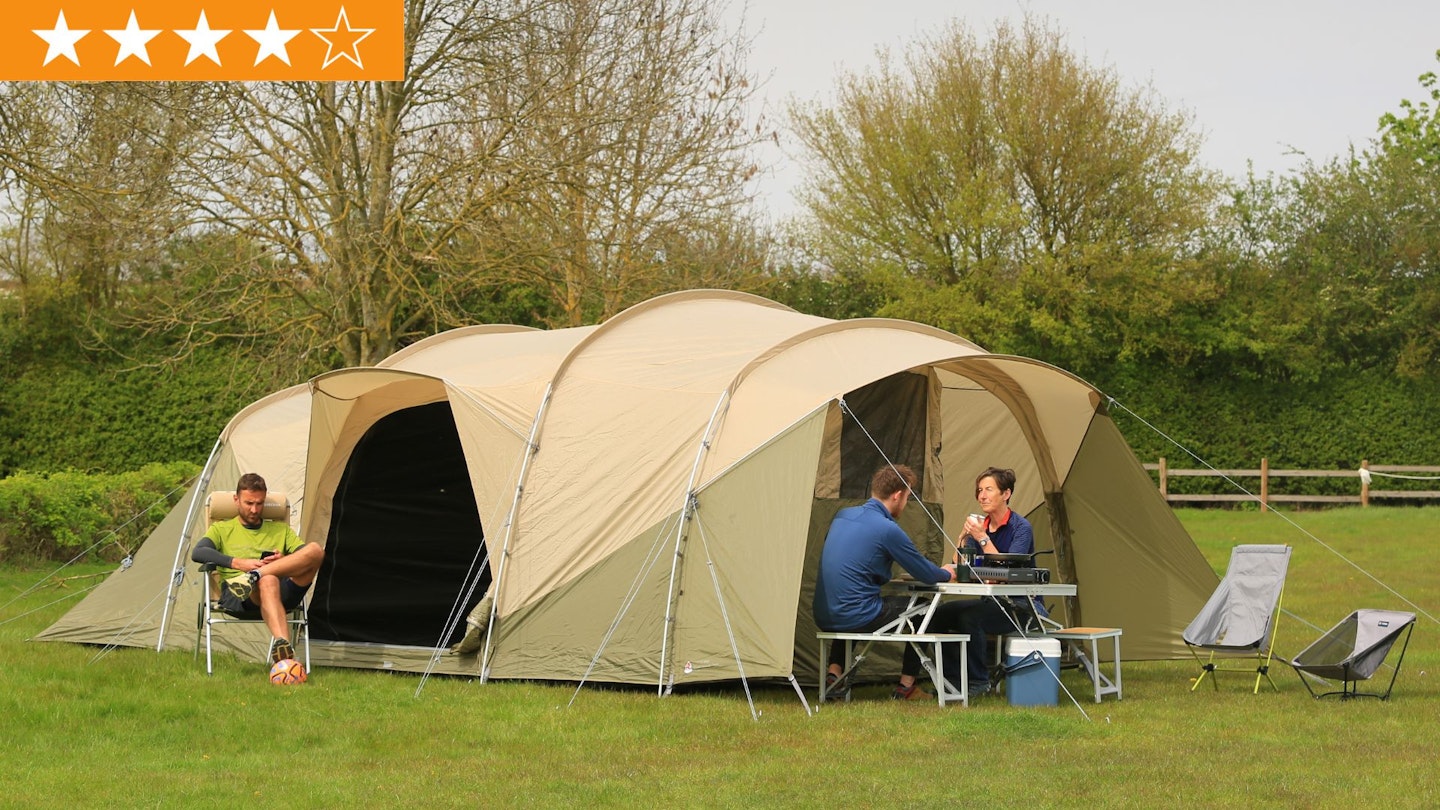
[979,689]
[244,585]
[837,689]
[911,692]
[280,650]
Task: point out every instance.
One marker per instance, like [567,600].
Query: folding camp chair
[1353,650]
[221,506]
[1241,615]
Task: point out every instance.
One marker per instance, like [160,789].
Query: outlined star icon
[272,39]
[203,39]
[132,40]
[344,36]
[61,39]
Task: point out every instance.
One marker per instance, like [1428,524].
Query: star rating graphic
[272,40]
[62,39]
[345,35]
[203,39]
[132,41]
[192,39]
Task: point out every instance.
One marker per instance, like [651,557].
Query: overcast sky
[1262,78]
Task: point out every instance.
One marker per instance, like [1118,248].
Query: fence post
[1264,485]
[1364,485]
[1164,487]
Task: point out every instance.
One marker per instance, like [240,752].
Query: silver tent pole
[177,574]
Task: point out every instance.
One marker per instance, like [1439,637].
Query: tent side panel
[557,636]
[748,535]
[1136,566]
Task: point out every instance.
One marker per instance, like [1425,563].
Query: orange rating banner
[203,40]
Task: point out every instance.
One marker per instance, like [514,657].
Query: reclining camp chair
[1241,615]
[1353,650]
[221,506]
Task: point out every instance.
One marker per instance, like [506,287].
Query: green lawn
[132,728]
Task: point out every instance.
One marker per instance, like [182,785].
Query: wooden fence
[1364,493]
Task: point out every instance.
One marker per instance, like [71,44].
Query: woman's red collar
[989,525]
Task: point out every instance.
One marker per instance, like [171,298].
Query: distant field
[133,728]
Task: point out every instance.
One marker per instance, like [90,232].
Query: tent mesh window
[403,537]
[892,411]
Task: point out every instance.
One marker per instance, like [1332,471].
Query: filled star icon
[61,39]
[343,37]
[272,39]
[203,39]
[132,40]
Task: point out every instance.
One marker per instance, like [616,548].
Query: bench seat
[1077,638]
[934,665]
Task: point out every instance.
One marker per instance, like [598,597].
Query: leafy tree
[1343,256]
[1011,191]
[1415,131]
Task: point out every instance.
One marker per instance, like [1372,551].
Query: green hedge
[59,516]
[1330,424]
[76,415]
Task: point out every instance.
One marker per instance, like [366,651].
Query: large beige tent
[647,497]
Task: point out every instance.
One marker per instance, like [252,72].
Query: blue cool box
[1034,667]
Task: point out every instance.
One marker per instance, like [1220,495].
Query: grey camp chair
[1241,615]
[1353,650]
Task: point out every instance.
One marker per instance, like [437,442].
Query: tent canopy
[648,496]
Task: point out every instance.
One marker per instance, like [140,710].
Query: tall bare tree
[557,143]
[642,123]
[88,177]
[596,151]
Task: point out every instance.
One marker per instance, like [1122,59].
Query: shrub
[65,515]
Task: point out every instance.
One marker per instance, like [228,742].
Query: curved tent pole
[687,510]
[177,573]
[530,449]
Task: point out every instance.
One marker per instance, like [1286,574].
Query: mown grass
[131,728]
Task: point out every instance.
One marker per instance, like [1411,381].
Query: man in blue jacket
[862,544]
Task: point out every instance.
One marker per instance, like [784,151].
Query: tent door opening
[404,534]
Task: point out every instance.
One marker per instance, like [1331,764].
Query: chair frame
[211,614]
[1264,654]
[1351,688]
[1264,651]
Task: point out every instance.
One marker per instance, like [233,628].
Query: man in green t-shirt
[264,564]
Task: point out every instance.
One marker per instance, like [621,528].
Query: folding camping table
[913,627]
[925,598]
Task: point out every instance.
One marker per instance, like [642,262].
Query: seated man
[264,564]
[860,547]
[997,531]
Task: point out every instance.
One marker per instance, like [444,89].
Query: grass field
[135,729]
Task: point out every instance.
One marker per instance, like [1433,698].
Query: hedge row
[1332,424]
[75,415]
[64,515]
